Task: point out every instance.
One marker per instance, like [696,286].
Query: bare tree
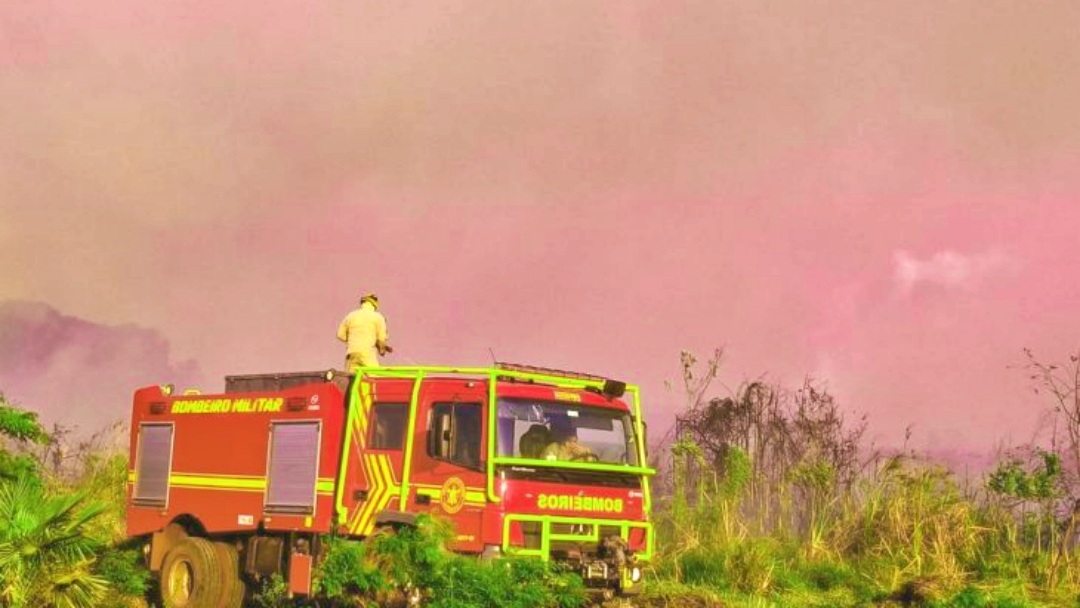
[1061,382]
[797,441]
[695,383]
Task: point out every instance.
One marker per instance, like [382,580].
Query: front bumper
[597,548]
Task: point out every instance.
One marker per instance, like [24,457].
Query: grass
[731,532]
[904,534]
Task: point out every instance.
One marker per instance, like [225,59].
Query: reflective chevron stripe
[381,489]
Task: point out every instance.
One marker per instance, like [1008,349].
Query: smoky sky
[882,195]
[76,372]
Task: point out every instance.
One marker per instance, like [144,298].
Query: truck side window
[388,426]
[455,433]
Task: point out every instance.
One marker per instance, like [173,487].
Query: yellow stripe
[365,463]
[439,487]
[382,462]
[375,487]
[378,489]
[133,475]
[217,479]
[359,510]
[218,488]
[392,488]
[382,486]
[220,475]
[388,471]
[354,517]
[382,477]
[365,410]
[218,482]
[251,484]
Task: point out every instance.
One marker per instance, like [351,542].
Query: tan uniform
[568,450]
[364,330]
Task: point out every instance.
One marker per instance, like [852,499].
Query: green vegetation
[768,498]
[769,504]
[395,565]
[905,535]
[21,428]
[398,562]
[61,541]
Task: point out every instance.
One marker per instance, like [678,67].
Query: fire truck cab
[229,488]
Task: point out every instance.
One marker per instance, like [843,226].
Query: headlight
[635,574]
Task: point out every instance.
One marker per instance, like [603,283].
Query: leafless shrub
[66,453]
[1060,382]
[801,449]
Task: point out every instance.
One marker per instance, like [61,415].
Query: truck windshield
[560,431]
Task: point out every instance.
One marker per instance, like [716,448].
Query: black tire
[232,586]
[191,575]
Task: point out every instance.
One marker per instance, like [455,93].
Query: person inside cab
[534,441]
[467,437]
[565,445]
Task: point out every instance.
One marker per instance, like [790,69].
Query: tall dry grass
[772,500]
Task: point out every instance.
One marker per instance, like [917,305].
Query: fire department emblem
[452,495]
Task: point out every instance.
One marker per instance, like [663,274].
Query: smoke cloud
[589,186]
[949,268]
[79,372]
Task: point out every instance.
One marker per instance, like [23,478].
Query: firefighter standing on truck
[364,331]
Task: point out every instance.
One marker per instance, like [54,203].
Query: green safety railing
[547,536]
[491,375]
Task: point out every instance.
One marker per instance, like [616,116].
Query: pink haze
[884,196]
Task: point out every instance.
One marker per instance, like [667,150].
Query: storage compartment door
[153,464]
[293,467]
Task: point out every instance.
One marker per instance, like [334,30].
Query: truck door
[382,417]
[449,477]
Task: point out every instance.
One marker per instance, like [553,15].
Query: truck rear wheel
[191,575]
[232,586]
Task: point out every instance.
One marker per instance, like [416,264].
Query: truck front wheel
[191,575]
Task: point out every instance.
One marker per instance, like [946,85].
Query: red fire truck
[233,487]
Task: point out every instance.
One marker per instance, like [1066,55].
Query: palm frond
[46,553]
